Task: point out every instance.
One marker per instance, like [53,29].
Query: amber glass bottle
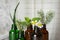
[37,34]
[28,33]
[44,32]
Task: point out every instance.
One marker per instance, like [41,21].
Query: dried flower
[46,19]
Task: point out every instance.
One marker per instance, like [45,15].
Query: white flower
[39,24]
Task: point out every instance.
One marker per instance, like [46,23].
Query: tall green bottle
[12,33]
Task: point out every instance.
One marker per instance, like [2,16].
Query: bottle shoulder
[17,30]
[44,31]
[29,31]
[12,31]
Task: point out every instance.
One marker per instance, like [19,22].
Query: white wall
[26,8]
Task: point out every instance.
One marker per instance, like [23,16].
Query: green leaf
[27,19]
[14,16]
[23,23]
[36,18]
[41,16]
[49,16]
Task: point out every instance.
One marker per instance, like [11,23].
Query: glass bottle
[44,32]
[28,33]
[17,34]
[37,34]
[21,35]
[12,32]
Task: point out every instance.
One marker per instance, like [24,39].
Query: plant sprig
[26,22]
[14,16]
[49,16]
[36,19]
[20,24]
[41,16]
[46,19]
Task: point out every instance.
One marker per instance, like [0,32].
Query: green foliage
[28,20]
[23,24]
[41,15]
[14,16]
[20,24]
[49,16]
[46,19]
[36,18]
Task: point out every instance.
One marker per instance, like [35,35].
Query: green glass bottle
[12,33]
[17,34]
[21,35]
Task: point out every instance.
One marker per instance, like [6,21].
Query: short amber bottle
[37,34]
[45,34]
[28,33]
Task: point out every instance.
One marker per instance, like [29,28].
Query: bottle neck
[44,26]
[29,27]
[14,27]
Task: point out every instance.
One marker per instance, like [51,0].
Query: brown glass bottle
[44,32]
[28,33]
[37,34]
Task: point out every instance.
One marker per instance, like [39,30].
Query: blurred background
[29,8]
